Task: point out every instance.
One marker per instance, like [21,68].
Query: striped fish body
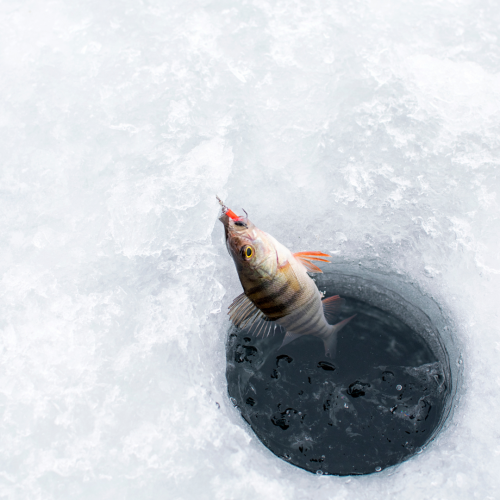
[290,298]
[277,288]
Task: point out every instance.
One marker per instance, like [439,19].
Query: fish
[278,292]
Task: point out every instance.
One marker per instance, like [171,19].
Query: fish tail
[331,341]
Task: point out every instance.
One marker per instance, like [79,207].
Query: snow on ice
[367,129]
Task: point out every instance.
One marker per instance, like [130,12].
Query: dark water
[374,405]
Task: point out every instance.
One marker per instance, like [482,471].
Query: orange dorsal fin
[306,257]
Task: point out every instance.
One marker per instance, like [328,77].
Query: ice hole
[384,397]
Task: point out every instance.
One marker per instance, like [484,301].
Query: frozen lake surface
[370,130]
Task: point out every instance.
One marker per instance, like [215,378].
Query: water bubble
[378,469]
[319,472]
[235,403]
[346,405]
[399,387]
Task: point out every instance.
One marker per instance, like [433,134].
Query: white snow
[368,129]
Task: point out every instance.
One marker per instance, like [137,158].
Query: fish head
[251,249]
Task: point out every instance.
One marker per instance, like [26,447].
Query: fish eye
[247,252]
[238,223]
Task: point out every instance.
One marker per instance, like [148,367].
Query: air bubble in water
[378,469]
[399,387]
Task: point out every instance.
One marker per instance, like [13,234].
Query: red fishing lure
[226,210]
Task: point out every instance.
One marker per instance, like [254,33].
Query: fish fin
[310,267]
[256,324]
[289,337]
[245,314]
[241,313]
[305,259]
[332,306]
[274,328]
[312,256]
[260,324]
[242,310]
[250,320]
[331,341]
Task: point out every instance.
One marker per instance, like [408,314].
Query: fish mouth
[234,227]
[227,225]
[225,220]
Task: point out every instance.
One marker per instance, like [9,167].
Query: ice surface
[368,129]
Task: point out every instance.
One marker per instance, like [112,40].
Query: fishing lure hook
[226,210]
